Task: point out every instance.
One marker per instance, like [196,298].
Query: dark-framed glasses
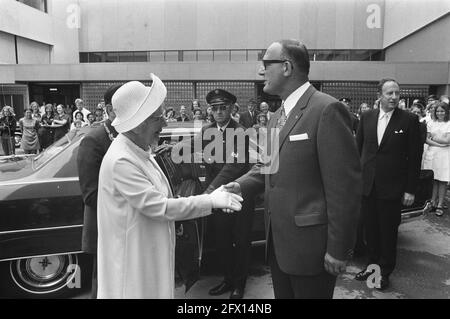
[268,62]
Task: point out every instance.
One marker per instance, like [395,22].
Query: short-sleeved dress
[438,158]
[30,140]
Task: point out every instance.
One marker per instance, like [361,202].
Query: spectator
[61,122]
[430,114]
[47,131]
[170,115]
[264,108]
[198,116]
[438,139]
[90,119]
[209,115]
[364,107]
[444,98]
[184,117]
[248,118]
[79,118]
[417,109]
[29,127]
[261,121]
[195,105]
[80,108]
[7,130]
[235,112]
[36,113]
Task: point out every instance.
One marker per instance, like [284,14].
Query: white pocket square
[298,137]
[398,132]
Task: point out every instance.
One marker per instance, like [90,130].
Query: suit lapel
[390,128]
[296,114]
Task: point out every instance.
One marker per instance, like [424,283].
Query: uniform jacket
[394,166]
[312,200]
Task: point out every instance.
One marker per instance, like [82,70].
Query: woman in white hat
[136,211]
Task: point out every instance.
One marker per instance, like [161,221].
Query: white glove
[224,200]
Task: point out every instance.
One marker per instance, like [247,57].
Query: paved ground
[423,269]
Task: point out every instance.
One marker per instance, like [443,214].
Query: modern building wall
[403,17]
[136,25]
[61,41]
[32,52]
[432,43]
[8,53]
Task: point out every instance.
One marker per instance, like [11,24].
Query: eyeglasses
[216,108]
[268,62]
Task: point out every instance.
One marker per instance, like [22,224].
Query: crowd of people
[42,125]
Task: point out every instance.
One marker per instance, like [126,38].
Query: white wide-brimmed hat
[134,102]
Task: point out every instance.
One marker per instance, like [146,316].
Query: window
[189,56]
[84,57]
[126,57]
[205,56]
[221,55]
[112,57]
[40,5]
[140,56]
[238,55]
[171,56]
[157,56]
[360,55]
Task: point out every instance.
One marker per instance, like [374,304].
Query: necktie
[382,124]
[282,119]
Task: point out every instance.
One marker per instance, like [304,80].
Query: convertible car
[41,216]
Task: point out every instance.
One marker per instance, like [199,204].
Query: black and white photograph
[230,152]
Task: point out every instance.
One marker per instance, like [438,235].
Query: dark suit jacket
[247,120]
[313,199]
[394,166]
[90,155]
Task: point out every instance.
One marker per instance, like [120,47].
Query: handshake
[227,197]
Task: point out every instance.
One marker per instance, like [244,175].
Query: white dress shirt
[293,98]
[383,121]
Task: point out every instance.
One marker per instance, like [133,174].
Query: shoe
[220,289]
[439,211]
[363,275]
[237,293]
[384,283]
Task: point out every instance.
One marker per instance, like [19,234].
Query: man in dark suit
[90,155]
[232,231]
[388,140]
[248,118]
[312,184]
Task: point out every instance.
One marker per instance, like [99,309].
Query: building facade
[54,51]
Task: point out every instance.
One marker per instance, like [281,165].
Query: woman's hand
[224,200]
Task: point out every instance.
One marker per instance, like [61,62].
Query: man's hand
[408,199]
[334,266]
[234,188]
[162,148]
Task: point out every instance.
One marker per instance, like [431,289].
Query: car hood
[14,167]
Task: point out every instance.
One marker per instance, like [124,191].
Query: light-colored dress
[438,158]
[30,140]
[136,224]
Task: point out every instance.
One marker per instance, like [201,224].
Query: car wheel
[45,276]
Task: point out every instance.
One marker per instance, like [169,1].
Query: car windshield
[53,149]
